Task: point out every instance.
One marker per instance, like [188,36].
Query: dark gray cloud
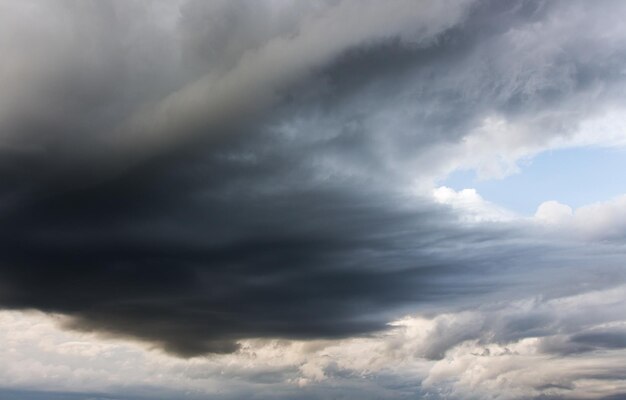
[152,256]
[200,173]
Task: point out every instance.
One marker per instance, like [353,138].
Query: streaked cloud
[244,198]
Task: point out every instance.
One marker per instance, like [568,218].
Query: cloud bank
[210,177]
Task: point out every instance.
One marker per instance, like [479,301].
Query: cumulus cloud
[599,221]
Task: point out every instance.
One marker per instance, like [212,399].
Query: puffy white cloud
[471,207]
[553,212]
[598,221]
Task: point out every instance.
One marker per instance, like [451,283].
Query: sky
[330,199]
[555,174]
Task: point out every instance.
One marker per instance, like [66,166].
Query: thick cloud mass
[195,174]
[150,255]
[228,232]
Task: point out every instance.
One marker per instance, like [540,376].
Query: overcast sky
[348,199]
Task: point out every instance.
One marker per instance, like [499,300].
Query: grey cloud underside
[289,221]
[153,258]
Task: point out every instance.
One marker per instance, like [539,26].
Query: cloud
[238,248]
[471,205]
[215,177]
[196,272]
[605,221]
[564,347]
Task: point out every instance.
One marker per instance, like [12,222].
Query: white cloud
[601,221]
[471,206]
[598,221]
[502,350]
[553,212]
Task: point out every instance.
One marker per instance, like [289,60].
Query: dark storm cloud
[192,183]
[150,256]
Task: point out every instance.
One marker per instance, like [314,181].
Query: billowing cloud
[562,347]
[214,178]
[599,221]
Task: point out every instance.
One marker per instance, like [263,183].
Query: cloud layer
[206,176]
